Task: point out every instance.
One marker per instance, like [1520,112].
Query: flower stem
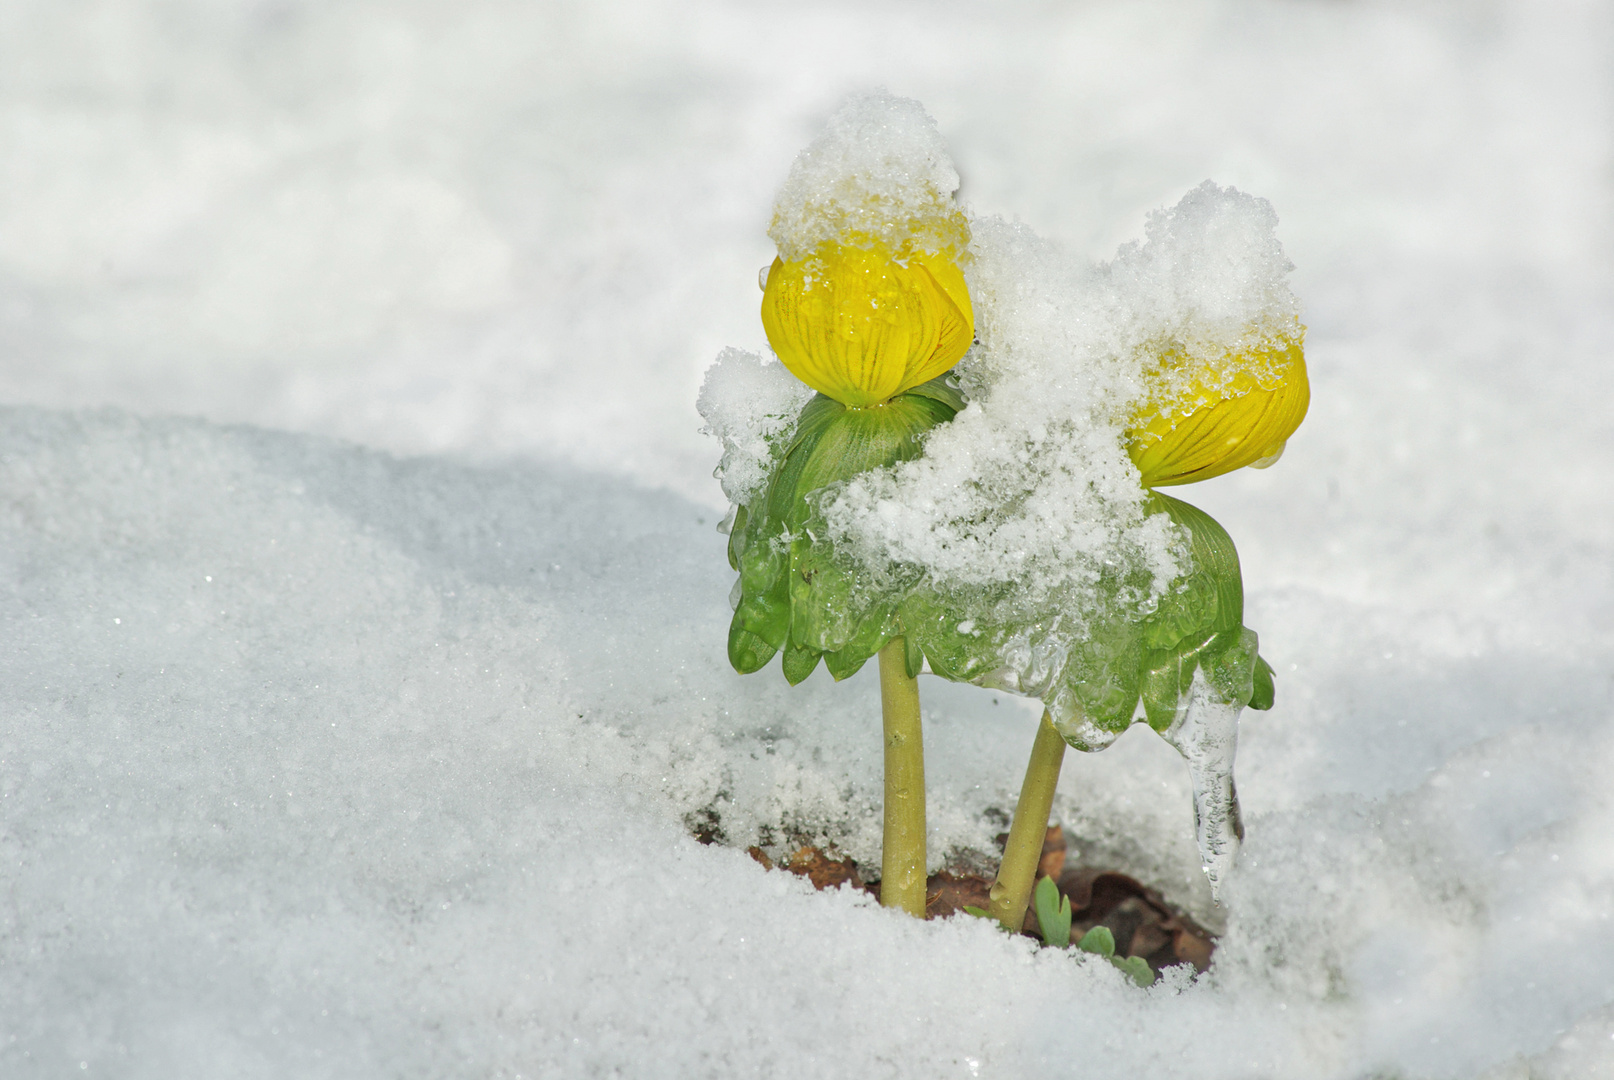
[1017,873]
[902,856]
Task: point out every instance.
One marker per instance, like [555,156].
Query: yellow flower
[1212,422]
[861,325]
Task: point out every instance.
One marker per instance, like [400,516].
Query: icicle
[1207,735]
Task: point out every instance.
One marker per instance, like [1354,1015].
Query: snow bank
[322,762]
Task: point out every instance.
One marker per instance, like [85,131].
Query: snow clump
[750,404]
[1030,488]
[879,171]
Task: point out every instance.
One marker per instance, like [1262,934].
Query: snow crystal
[749,404]
[879,170]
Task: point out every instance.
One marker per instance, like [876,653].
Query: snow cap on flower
[1223,366]
[880,171]
[866,299]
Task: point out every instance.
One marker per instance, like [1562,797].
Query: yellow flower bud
[1209,423]
[861,325]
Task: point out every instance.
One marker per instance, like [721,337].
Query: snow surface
[316,761]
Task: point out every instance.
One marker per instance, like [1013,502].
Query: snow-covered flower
[861,323]
[1209,419]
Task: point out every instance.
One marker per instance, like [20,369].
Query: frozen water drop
[1207,736]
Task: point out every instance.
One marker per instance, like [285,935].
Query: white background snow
[364,621]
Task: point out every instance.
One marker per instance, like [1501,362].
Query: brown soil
[1141,921]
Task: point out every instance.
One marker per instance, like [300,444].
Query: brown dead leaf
[823,871]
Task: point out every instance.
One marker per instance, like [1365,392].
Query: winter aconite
[1198,429]
[970,491]
[861,324]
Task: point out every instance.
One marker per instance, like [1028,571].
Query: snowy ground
[362,741]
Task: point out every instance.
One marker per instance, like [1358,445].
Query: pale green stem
[1017,873]
[902,857]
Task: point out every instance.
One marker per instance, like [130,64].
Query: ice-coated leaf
[846,663]
[1262,689]
[913,658]
[942,389]
[1210,597]
[765,614]
[737,535]
[798,663]
[1229,665]
[792,586]
[747,652]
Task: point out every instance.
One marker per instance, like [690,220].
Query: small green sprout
[1053,914]
[1099,940]
[1053,918]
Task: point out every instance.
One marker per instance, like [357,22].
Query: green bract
[794,597]
[798,599]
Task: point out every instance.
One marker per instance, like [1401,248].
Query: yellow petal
[857,325]
[957,318]
[1205,433]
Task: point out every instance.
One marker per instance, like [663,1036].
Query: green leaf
[1053,913]
[814,421]
[798,663]
[737,537]
[1198,626]
[1229,664]
[747,652]
[941,389]
[982,913]
[930,623]
[1098,940]
[1211,598]
[1102,674]
[852,442]
[1137,967]
[914,657]
[1264,691]
[844,663]
[765,614]
[823,615]
[795,595]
